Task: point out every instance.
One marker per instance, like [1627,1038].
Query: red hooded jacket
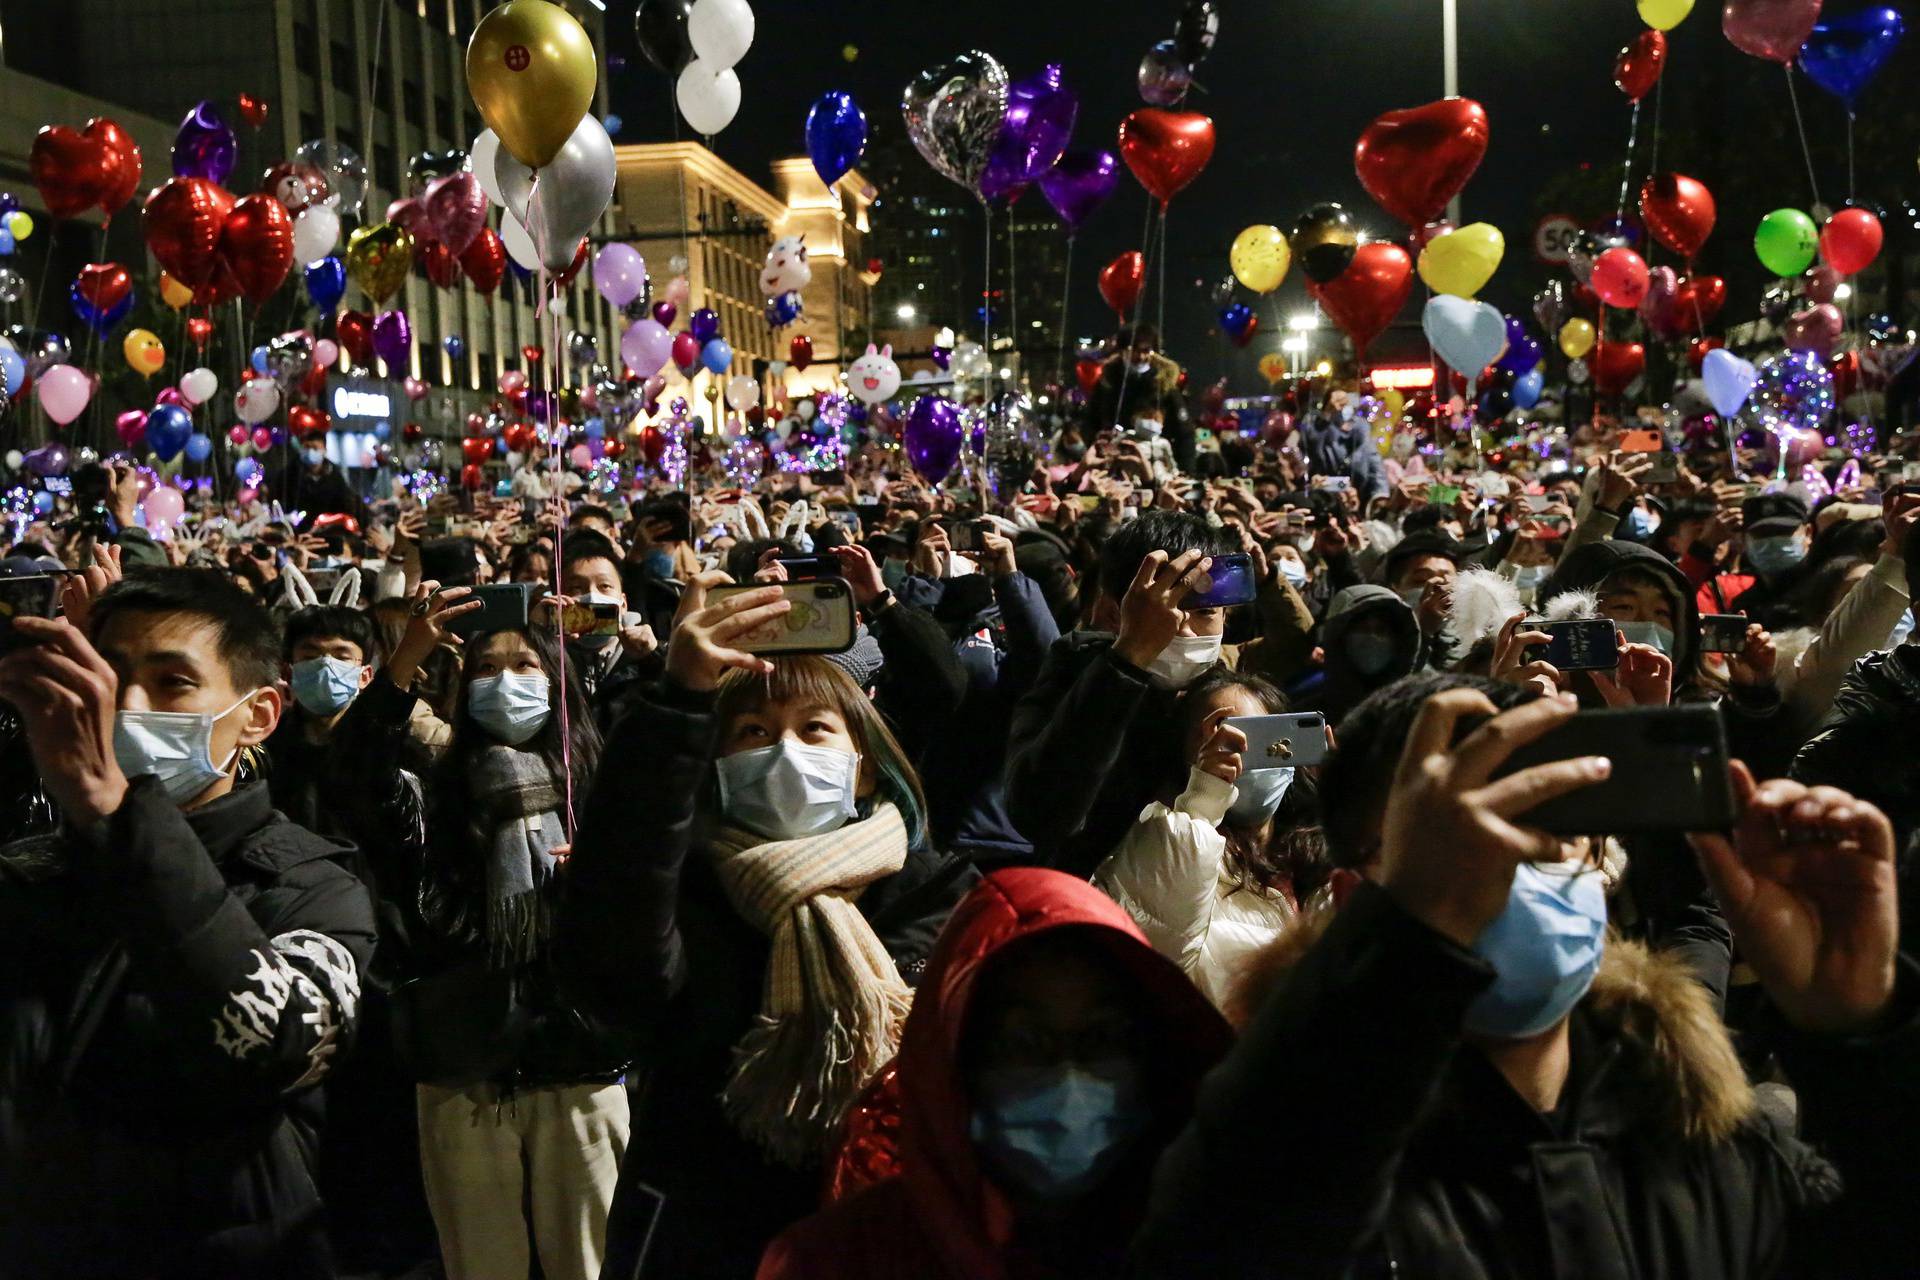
[942,1219]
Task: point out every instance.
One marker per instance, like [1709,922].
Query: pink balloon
[325,352]
[512,382]
[646,347]
[1657,307]
[1816,329]
[64,392]
[263,438]
[580,456]
[1770,29]
[171,395]
[619,273]
[686,352]
[677,291]
[164,505]
[1821,283]
[415,389]
[236,433]
[457,207]
[131,427]
[411,215]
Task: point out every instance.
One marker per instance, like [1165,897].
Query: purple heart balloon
[704,325]
[932,437]
[205,146]
[942,356]
[1033,134]
[663,313]
[393,339]
[1080,184]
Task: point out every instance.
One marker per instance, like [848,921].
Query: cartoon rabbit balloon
[874,378]
[786,270]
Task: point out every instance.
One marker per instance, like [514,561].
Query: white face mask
[511,706]
[1901,630]
[789,790]
[1184,660]
[1147,428]
[174,746]
[1143,366]
[1294,572]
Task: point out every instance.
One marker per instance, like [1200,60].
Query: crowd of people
[355,926]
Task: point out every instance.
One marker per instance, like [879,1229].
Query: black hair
[470,739]
[1812,598]
[328,621]
[587,545]
[451,562]
[1682,511]
[1134,334]
[1425,517]
[1174,532]
[743,558]
[1356,780]
[248,641]
[591,511]
[1042,560]
[672,514]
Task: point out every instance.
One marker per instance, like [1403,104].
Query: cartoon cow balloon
[874,378]
[786,270]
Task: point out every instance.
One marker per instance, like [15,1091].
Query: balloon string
[1852,188]
[1013,285]
[1653,163]
[371,102]
[1793,94]
[986,296]
[556,465]
[1066,308]
[1626,169]
[1160,316]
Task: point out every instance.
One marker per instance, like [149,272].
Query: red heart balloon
[1364,299]
[613,447]
[257,242]
[253,110]
[1845,368]
[476,449]
[79,170]
[1087,373]
[438,264]
[1166,150]
[353,330]
[1638,67]
[485,260]
[1698,348]
[1679,211]
[800,352]
[1413,162]
[182,221]
[411,432]
[472,477]
[1120,282]
[1697,301]
[565,278]
[200,329]
[219,291]
[1615,365]
[103,284]
[533,354]
[653,444]
[303,421]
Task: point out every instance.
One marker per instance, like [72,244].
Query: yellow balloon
[1577,338]
[173,293]
[1395,400]
[1260,258]
[379,257]
[144,352]
[20,222]
[1664,15]
[1461,262]
[531,70]
[1273,366]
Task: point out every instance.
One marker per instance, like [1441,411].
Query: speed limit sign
[1552,237]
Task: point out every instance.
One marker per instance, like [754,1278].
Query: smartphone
[1642,440]
[1538,502]
[1557,525]
[1089,502]
[1724,632]
[590,618]
[964,535]
[32,596]
[848,520]
[1665,469]
[1585,644]
[1669,772]
[821,620]
[1283,741]
[867,500]
[1905,489]
[323,581]
[1333,484]
[503,605]
[1228,581]
[1444,495]
[807,568]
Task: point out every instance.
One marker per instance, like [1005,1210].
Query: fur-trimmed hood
[1166,372]
[1650,1000]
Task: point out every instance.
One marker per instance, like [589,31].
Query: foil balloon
[1364,299]
[1196,31]
[1697,300]
[1413,162]
[256,242]
[932,437]
[80,169]
[836,135]
[393,339]
[182,221]
[1468,335]
[1843,54]
[1656,308]
[1638,67]
[379,258]
[1615,365]
[1323,240]
[873,378]
[1461,262]
[1770,29]
[1239,322]
[326,282]
[531,69]
[1815,329]
[1120,282]
[800,355]
[344,170]
[428,166]
[1166,150]
[954,112]
[1079,184]
[104,285]
[485,261]
[1033,133]
[1728,379]
[1679,211]
[1164,76]
[456,208]
[354,332]
[204,146]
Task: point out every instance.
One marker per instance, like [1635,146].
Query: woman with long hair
[753,894]
[520,1100]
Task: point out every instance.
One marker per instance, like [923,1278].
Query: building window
[443,116]
[386,165]
[306,49]
[413,102]
[310,126]
[345,75]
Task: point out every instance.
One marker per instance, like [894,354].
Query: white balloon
[742,393]
[198,385]
[519,243]
[256,400]
[708,99]
[720,31]
[14,458]
[805,410]
[315,232]
[481,155]
[874,378]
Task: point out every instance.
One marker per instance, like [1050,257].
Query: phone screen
[1228,581]
[821,619]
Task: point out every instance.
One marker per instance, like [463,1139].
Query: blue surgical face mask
[1370,654]
[1058,1130]
[313,456]
[1294,572]
[1147,428]
[790,789]
[1639,525]
[1544,947]
[325,685]
[1257,795]
[1648,633]
[511,706]
[1529,577]
[174,746]
[1775,554]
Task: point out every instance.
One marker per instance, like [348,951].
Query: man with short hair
[1139,386]
[1336,442]
[186,967]
[328,654]
[608,662]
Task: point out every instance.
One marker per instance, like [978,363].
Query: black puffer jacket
[172,988]
[1866,742]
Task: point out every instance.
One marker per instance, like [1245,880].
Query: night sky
[1290,86]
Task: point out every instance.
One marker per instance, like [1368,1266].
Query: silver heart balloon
[954,113]
[572,192]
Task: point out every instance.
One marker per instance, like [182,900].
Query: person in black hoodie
[178,972]
[328,651]
[1370,638]
[1096,738]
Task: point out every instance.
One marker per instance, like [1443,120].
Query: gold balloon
[1664,15]
[531,70]
[1461,262]
[1577,337]
[1273,366]
[378,259]
[1324,239]
[1260,258]
[173,293]
[144,352]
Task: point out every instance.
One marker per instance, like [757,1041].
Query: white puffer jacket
[1169,873]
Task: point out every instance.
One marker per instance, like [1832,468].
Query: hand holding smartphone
[821,619]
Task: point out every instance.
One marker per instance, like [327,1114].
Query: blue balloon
[327,282]
[1844,54]
[836,135]
[1237,320]
[168,427]
[717,356]
[594,427]
[101,322]
[43,502]
[382,429]
[613,124]
[248,471]
[1528,386]
[13,370]
[259,360]
[455,346]
[783,310]
[199,448]
[6,242]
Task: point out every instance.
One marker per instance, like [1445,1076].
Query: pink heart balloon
[171,395]
[1816,329]
[414,388]
[131,427]
[1656,308]
[458,208]
[1770,29]
[1821,283]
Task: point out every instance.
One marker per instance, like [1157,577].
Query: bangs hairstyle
[581,740]
[812,681]
[245,636]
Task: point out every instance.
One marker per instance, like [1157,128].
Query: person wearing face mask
[1420,569]
[1048,1060]
[522,1113]
[184,964]
[1220,872]
[1777,537]
[609,665]
[1138,382]
[1094,740]
[1337,443]
[1540,1097]
[1369,638]
[328,651]
[313,484]
[756,904]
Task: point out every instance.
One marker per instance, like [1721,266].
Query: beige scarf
[833,1003]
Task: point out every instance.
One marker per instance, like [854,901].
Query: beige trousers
[484,1156]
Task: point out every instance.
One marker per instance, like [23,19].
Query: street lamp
[906,312]
[1303,322]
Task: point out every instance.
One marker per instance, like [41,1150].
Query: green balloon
[1786,242]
